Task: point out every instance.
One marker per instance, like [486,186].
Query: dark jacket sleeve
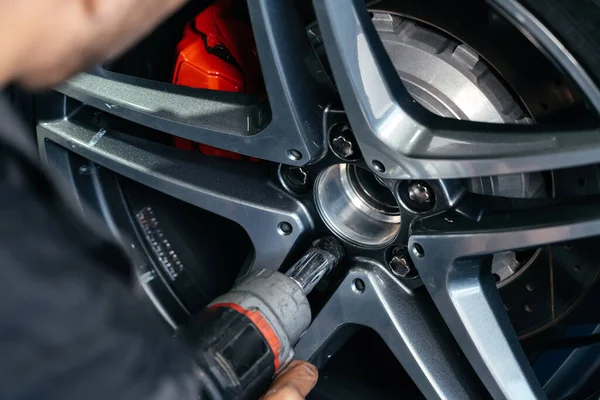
[69,329]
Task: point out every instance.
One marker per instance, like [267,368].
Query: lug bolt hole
[358,286]
[418,250]
[284,228]
[416,196]
[343,143]
[399,262]
[294,155]
[378,166]
[295,179]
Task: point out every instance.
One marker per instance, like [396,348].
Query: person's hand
[294,382]
[46,41]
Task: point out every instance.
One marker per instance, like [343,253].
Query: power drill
[247,335]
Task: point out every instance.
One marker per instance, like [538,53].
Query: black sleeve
[69,329]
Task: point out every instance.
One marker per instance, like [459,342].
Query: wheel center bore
[356,206]
[372,190]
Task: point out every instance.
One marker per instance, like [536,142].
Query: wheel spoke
[229,189]
[457,274]
[230,121]
[394,130]
[405,320]
[297,102]
[211,117]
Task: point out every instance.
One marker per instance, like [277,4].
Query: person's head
[43,42]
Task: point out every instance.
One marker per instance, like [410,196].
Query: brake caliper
[218,52]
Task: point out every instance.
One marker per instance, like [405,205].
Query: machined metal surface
[520,186]
[420,193]
[398,134]
[505,265]
[453,268]
[446,77]
[405,320]
[347,211]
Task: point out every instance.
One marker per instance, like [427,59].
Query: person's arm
[69,328]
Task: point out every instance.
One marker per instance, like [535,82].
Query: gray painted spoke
[227,189]
[406,321]
[460,282]
[230,121]
[392,129]
[473,310]
[297,102]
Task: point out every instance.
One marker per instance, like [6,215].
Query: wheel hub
[356,206]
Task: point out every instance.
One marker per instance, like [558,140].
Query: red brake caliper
[218,52]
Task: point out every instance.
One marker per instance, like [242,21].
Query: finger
[283,393]
[300,374]
[294,382]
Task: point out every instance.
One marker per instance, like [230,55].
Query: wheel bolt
[297,179]
[379,167]
[420,193]
[343,143]
[343,147]
[298,176]
[401,264]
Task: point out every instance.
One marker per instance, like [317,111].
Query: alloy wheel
[450,187]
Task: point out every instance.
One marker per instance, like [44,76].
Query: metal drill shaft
[317,262]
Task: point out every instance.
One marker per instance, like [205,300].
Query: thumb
[294,382]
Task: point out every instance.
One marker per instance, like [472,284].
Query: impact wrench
[243,338]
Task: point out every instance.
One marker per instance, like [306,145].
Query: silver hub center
[356,206]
